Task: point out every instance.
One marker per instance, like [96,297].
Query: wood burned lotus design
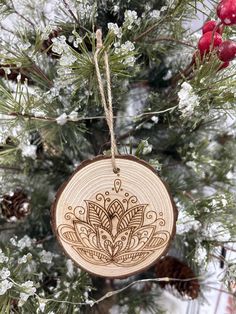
[114,229]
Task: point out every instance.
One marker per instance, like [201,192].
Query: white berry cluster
[62,48]
[131,19]
[63,118]
[125,49]
[188,100]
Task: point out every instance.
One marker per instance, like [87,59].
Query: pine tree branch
[74,17]
[183,73]
[20,15]
[151,113]
[189,195]
[218,257]
[118,291]
[42,74]
[7,30]
[199,10]
[10,168]
[24,18]
[28,116]
[71,12]
[44,239]
[170,39]
[146,115]
[147,31]
[220,290]
[7,228]
[229,249]
[114,292]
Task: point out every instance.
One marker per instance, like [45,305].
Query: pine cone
[15,71]
[173,268]
[15,204]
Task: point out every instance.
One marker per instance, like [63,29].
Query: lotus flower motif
[114,231]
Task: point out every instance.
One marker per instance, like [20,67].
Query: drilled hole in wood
[116,170]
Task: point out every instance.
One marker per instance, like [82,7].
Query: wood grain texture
[114,225]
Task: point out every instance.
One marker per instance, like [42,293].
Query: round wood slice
[114,224]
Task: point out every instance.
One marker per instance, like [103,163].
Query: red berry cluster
[212,33]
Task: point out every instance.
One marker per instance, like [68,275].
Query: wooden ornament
[114,224]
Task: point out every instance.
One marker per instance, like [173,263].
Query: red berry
[227,50]
[226,11]
[207,42]
[211,26]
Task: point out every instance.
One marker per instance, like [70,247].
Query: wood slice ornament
[114,224]
[114,217]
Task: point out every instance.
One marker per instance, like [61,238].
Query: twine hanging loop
[106,100]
